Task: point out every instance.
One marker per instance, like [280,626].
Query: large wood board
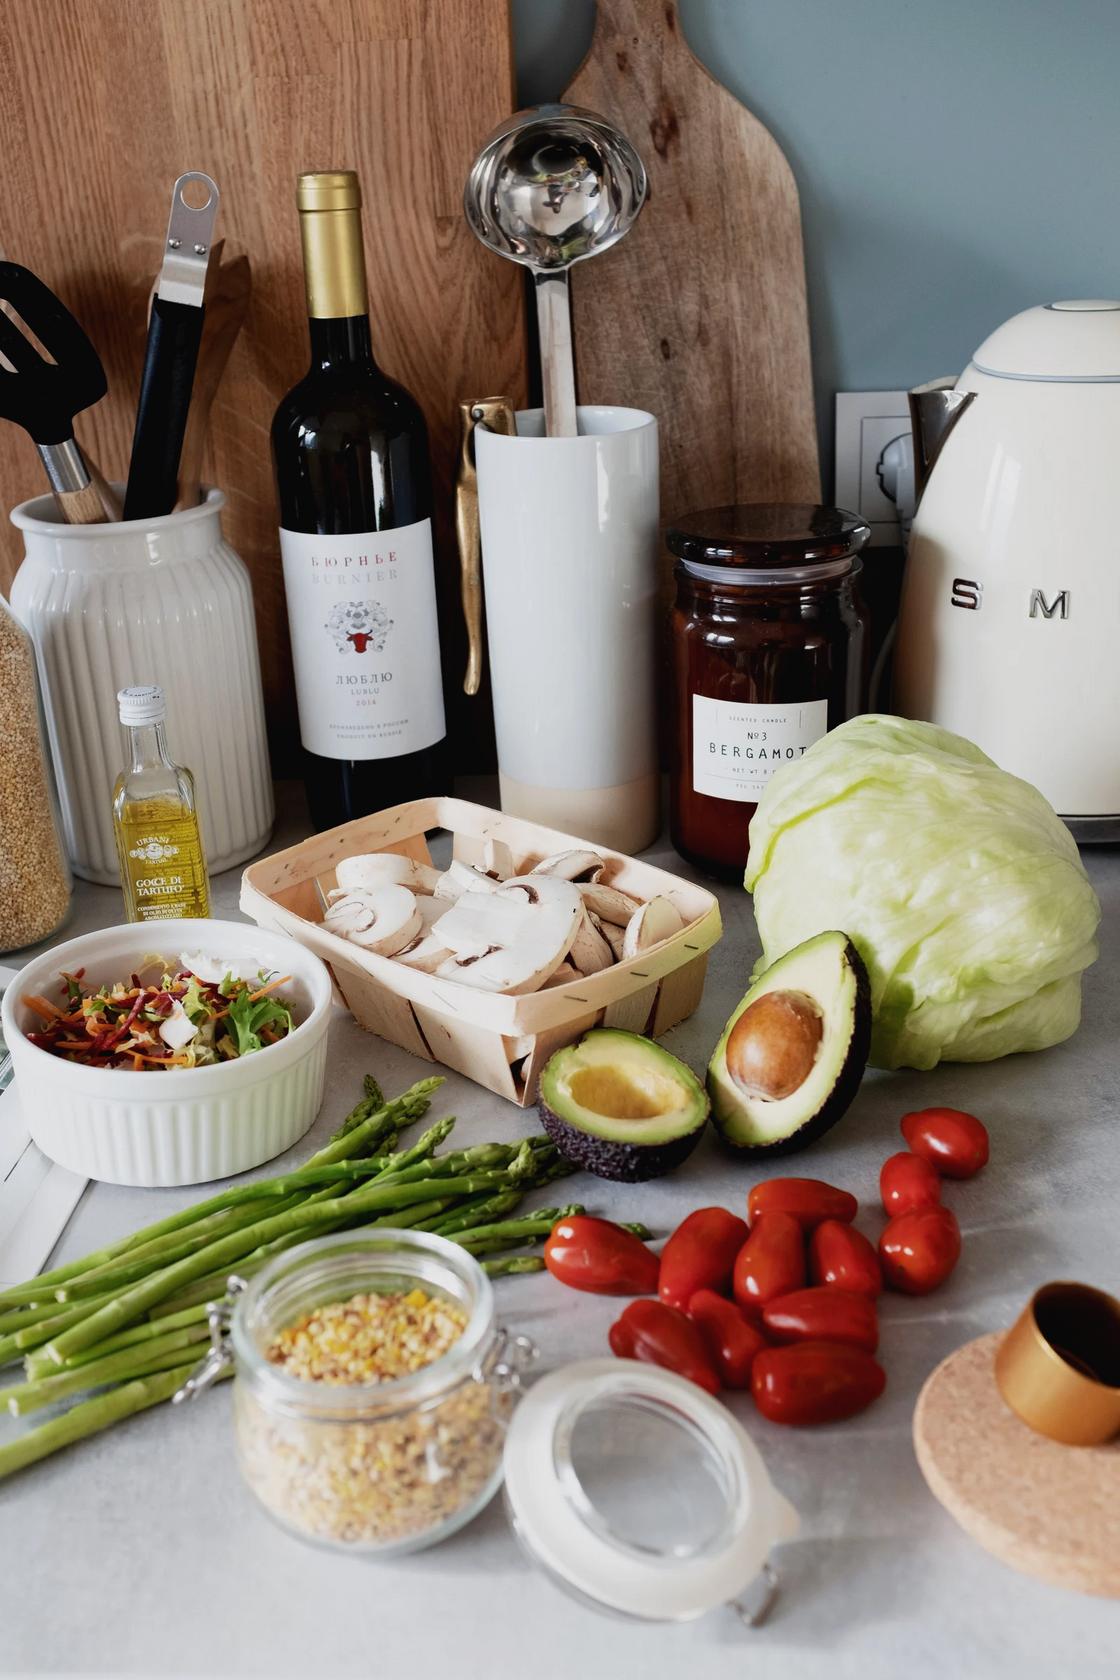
[699,314]
[103,103]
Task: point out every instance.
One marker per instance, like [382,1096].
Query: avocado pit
[773,1046]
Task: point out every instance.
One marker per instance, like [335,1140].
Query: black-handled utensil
[174,332]
[43,397]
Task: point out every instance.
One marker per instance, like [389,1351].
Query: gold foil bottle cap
[1058,1367]
[330,221]
[329,189]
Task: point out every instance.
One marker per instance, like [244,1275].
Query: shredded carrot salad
[180,1021]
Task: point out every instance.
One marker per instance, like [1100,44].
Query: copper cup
[1058,1367]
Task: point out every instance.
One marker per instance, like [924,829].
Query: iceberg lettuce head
[959,886]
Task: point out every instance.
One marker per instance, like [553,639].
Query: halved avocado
[620,1106]
[792,1055]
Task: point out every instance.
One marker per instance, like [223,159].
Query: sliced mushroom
[590,951]
[512,938]
[497,861]
[370,870]
[649,925]
[383,920]
[561,976]
[571,866]
[457,878]
[614,936]
[425,953]
[609,903]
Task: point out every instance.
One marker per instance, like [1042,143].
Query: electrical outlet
[866,422]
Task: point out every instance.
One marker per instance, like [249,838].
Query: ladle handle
[558,376]
[497,414]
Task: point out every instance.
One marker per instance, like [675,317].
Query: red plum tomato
[730,1338]
[815,1382]
[700,1254]
[909,1181]
[919,1249]
[660,1335]
[955,1142]
[599,1257]
[771,1262]
[841,1257]
[808,1199]
[823,1315]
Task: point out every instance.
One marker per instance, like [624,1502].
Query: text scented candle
[768,643]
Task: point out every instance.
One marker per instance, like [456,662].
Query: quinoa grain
[34,879]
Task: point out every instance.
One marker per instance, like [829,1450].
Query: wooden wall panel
[104,102]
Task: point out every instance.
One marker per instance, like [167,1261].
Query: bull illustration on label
[359,625]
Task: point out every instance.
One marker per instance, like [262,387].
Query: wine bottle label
[365,641]
[737,746]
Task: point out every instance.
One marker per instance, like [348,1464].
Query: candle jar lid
[767,536]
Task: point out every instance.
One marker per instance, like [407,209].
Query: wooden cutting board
[699,314]
[103,103]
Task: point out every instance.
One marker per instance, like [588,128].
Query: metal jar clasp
[219,1355]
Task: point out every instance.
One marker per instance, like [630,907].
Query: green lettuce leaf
[961,889]
[245,1020]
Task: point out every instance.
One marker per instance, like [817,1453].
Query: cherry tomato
[771,1262]
[731,1340]
[919,1249]
[823,1315]
[808,1199]
[594,1255]
[661,1335]
[815,1382]
[955,1142]
[841,1257]
[909,1181]
[700,1254]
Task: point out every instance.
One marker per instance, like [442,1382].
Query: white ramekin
[187,1125]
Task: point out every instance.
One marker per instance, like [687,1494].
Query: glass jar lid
[640,1494]
[778,538]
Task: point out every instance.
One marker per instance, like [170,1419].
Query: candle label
[737,746]
[365,641]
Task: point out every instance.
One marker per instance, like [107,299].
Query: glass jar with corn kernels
[373,1389]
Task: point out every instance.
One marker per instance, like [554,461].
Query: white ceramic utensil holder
[147,601]
[569,558]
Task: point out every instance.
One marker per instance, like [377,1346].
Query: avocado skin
[625,1163]
[843,1093]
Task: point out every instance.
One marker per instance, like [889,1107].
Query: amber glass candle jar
[768,642]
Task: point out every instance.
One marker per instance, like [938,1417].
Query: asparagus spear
[93,1415]
[513,1263]
[38,1365]
[160,1355]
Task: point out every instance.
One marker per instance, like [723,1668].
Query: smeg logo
[969,594]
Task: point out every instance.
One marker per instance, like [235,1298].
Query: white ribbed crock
[147,601]
[188,1125]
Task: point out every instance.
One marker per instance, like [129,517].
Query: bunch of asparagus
[130,1314]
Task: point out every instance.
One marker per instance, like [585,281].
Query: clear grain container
[385,1467]
[35,881]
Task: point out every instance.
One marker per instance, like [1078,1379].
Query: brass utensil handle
[496,413]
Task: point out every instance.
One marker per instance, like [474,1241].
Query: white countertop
[141,1551]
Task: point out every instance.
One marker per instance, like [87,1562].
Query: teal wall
[958,160]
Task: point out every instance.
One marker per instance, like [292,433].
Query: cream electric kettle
[1009,628]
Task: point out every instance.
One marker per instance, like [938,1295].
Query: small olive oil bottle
[155,819]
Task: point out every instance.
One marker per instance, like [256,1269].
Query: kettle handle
[935,408]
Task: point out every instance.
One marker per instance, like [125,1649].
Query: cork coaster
[1049,1510]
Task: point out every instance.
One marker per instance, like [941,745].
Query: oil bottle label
[737,746]
[365,641]
[165,864]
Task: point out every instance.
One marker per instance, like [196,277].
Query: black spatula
[43,397]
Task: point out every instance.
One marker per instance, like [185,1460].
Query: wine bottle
[350,448]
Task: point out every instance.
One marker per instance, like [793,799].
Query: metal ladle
[553,186]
